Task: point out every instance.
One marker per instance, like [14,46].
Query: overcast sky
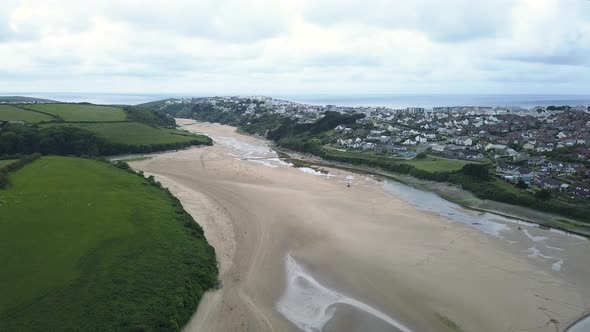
[295,47]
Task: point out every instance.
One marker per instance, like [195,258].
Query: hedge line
[15,166]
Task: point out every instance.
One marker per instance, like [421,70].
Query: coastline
[361,242]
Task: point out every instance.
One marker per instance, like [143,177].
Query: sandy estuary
[299,250]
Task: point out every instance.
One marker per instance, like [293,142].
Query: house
[536,161]
[549,183]
[506,168]
[524,174]
[475,155]
[528,146]
[438,148]
[579,189]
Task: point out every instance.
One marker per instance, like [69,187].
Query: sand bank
[379,259]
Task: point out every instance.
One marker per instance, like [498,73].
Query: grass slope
[4,162]
[81,112]
[135,133]
[87,246]
[11,113]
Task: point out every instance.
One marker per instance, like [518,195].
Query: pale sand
[358,241]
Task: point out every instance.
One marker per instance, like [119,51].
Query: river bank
[365,257]
[449,192]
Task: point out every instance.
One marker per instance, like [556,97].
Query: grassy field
[11,113]
[87,246]
[135,133]
[81,112]
[433,164]
[4,162]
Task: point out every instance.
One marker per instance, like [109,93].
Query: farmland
[81,112]
[11,113]
[86,129]
[85,245]
[135,133]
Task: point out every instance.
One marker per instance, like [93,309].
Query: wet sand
[365,257]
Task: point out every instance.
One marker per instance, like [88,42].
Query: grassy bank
[87,246]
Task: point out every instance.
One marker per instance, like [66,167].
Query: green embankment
[429,164]
[134,133]
[4,162]
[81,112]
[11,113]
[87,246]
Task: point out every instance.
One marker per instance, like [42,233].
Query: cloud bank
[295,46]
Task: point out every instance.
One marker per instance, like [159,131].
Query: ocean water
[433,100]
[385,100]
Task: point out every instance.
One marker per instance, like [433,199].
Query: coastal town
[545,147]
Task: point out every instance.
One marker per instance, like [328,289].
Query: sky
[296,46]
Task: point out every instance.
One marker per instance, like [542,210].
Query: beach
[301,250]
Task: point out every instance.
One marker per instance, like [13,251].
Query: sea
[373,100]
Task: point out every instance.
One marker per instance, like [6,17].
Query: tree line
[65,140]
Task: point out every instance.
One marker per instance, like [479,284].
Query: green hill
[86,129]
[87,246]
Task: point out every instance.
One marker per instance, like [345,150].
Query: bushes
[543,194]
[477,171]
[15,166]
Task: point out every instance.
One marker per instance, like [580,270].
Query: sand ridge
[360,241]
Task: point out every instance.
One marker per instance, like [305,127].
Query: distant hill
[23,100]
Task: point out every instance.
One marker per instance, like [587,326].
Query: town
[539,148]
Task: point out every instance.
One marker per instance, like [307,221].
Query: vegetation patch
[85,245]
[12,113]
[5,162]
[448,322]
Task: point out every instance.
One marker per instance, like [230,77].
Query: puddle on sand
[310,306]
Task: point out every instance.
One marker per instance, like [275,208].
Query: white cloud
[290,46]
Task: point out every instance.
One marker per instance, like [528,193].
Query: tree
[543,194]
[477,171]
[521,184]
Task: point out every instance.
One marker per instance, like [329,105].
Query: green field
[4,162]
[432,164]
[87,246]
[81,112]
[135,133]
[11,113]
